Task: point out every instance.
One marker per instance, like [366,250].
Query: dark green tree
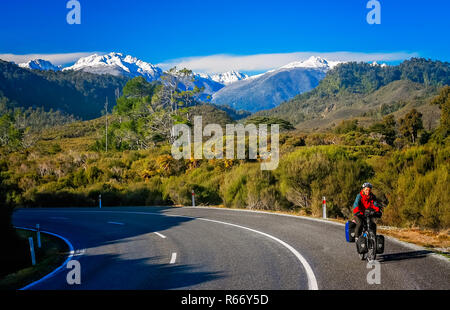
[10,136]
[347,126]
[386,128]
[443,100]
[411,124]
[138,87]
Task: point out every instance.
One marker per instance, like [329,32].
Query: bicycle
[368,245]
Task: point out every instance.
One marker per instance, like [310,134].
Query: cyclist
[364,201]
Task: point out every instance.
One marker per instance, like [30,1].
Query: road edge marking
[54,272]
[159,234]
[173,259]
[116,223]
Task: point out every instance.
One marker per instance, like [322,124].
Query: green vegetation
[19,128]
[284,125]
[308,174]
[74,92]
[443,101]
[145,114]
[367,92]
[365,78]
[48,258]
[235,115]
[415,182]
[406,160]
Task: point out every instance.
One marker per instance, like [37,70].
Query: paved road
[204,248]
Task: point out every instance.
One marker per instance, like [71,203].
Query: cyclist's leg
[358,222]
[373,225]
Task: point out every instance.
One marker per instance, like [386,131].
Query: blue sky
[163,32]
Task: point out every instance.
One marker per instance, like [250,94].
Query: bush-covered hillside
[368,92]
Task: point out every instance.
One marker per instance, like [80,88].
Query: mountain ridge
[40,64]
[269,89]
[353,89]
[117,64]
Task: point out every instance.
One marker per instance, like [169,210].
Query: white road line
[71,253]
[79,252]
[161,235]
[116,223]
[312,281]
[272,213]
[173,258]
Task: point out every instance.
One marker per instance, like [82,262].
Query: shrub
[234,189]
[79,178]
[177,190]
[247,186]
[307,175]
[93,174]
[415,184]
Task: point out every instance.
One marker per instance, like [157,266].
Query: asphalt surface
[203,248]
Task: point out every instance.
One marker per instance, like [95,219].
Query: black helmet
[367,185]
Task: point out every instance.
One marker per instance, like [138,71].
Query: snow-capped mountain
[225,78]
[268,90]
[40,64]
[313,62]
[117,64]
[126,65]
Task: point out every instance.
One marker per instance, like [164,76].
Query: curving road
[207,248]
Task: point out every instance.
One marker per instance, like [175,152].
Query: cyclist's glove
[378,214]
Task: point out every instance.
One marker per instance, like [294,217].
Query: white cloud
[262,62]
[56,59]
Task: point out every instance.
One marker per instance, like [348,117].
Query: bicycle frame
[371,240]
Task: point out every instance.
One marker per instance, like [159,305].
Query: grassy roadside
[437,241]
[53,253]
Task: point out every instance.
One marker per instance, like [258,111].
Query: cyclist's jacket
[363,202]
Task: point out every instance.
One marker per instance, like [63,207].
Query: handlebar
[371,213]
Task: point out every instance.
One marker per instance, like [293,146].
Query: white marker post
[324,207]
[33,257]
[100,201]
[193,198]
[38,235]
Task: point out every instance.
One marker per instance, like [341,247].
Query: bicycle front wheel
[372,248]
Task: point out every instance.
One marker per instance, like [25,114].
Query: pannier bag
[380,244]
[350,231]
[361,245]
